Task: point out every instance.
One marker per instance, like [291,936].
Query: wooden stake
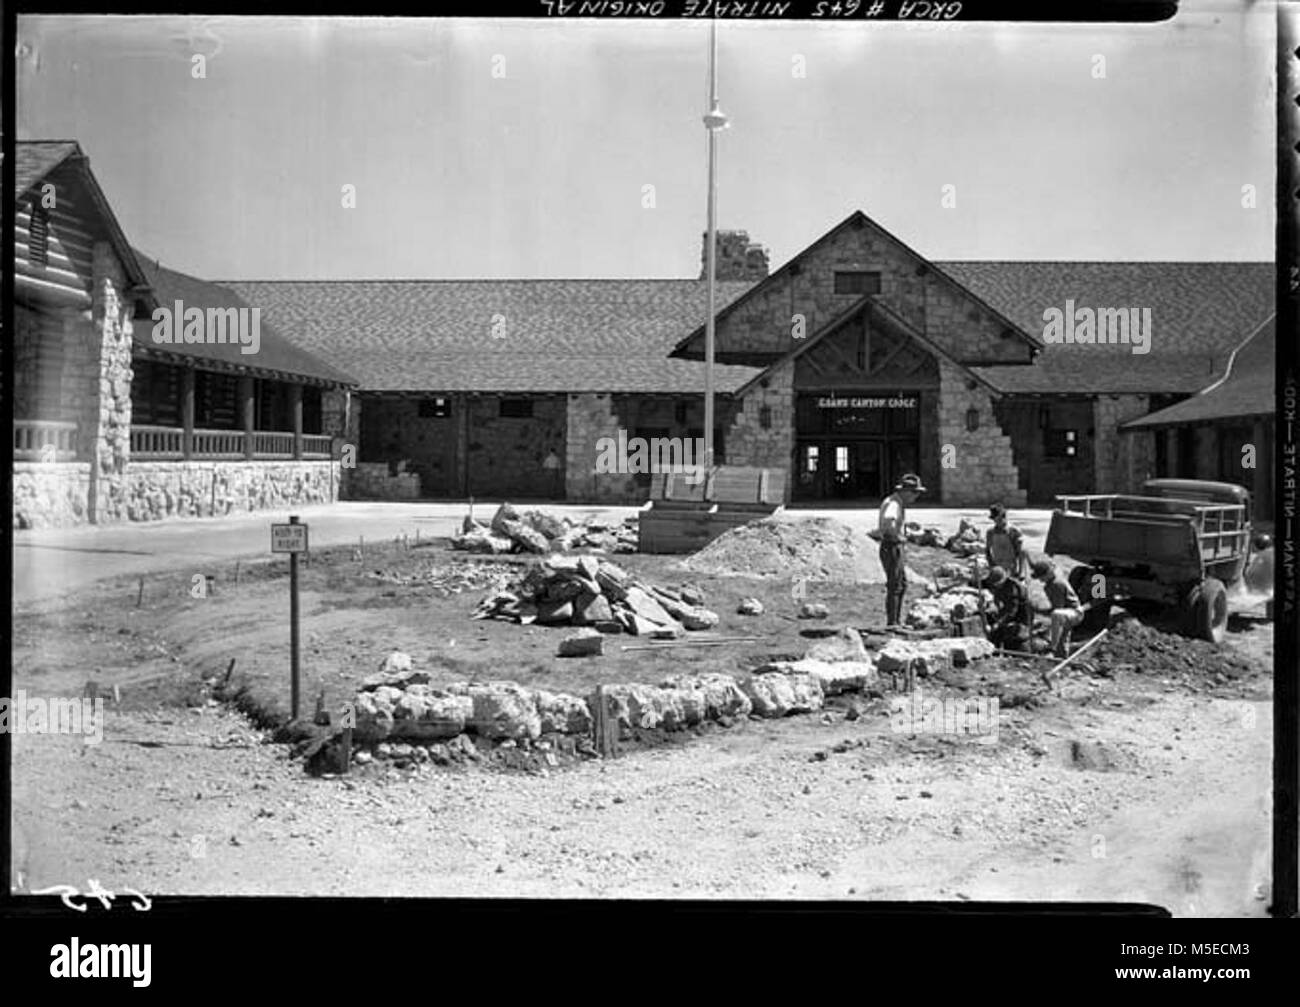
[229,668]
[673,644]
[139,596]
[236,573]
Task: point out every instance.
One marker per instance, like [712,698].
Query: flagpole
[713,121]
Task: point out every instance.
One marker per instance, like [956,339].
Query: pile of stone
[967,542]
[924,657]
[536,531]
[591,592]
[916,535]
[939,611]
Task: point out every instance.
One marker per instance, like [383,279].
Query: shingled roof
[276,356]
[500,335]
[1248,388]
[34,159]
[1199,312]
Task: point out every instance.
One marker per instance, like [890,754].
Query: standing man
[1067,610]
[889,529]
[1004,545]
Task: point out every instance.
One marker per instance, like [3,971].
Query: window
[856,282]
[38,236]
[841,458]
[1061,443]
[519,409]
[811,453]
[434,409]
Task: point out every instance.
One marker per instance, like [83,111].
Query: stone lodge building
[855,361]
[109,425]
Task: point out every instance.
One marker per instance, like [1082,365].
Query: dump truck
[1180,543]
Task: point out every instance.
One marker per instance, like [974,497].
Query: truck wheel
[1208,610]
[1096,614]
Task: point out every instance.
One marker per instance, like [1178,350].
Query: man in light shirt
[1004,545]
[1067,610]
[889,529]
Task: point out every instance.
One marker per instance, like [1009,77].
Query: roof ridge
[509,279]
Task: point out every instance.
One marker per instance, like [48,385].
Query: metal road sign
[288,538]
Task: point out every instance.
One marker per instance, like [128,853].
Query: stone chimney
[738,257]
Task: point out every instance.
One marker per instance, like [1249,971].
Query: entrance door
[855,470]
[903,457]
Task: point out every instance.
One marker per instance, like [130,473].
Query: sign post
[291,538]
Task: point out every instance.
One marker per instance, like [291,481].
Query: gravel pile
[816,549]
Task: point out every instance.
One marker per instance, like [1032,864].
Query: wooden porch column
[1170,434]
[248,412]
[187,412]
[295,410]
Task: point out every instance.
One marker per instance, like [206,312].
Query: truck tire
[1096,612]
[1207,605]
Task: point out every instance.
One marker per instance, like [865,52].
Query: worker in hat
[1067,610]
[1004,545]
[889,529]
[1009,628]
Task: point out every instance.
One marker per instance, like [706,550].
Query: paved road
[55,562]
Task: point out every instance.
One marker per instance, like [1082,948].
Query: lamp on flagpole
[714,120]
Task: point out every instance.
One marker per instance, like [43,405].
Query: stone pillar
[248,412]
[104,419]
[295,414]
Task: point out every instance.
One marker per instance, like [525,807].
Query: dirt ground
[1146,780]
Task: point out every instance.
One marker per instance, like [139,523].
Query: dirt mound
[820,549]
[1149,651]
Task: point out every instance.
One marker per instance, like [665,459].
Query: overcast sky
[541,173]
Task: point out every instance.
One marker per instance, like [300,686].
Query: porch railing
[153,443]
[45,441]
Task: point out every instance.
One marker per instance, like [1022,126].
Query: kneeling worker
[1067,610]
[1010,627]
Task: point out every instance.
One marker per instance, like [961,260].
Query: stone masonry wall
[738,258]
[506,454]
[748,443]
[1122,461]
[50,495]
[157,490]
[983,472]
[105,422]
[378,481]
[962,327]
[589,417]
